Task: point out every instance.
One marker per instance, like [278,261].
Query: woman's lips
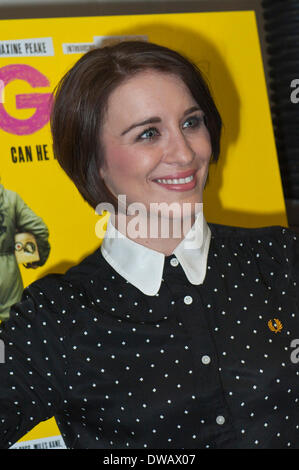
[180,182]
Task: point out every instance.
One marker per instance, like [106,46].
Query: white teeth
[176,181]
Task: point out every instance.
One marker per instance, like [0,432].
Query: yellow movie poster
[58,227]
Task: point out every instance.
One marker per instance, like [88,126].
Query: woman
[151,342]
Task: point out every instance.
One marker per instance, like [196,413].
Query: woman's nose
[179,149]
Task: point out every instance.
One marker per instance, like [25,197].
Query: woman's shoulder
[58,287]
[266,243]
[57,297]
[275,231]
[274,235]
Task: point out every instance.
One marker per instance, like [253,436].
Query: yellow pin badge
[275,325]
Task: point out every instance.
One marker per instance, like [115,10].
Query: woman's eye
[193,122]
[148,134]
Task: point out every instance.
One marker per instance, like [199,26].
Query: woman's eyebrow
[147,121]
[155,119]
[191,110]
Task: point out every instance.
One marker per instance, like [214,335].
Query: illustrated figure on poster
[23,239]
[156,342]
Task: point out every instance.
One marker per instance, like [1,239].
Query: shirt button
[206,359]
[220,419]
[188,300]
[174,262]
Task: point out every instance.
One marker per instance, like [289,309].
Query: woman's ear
[102,172]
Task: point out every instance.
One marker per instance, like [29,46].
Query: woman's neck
[162,235]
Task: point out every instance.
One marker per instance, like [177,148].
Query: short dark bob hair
[80,103]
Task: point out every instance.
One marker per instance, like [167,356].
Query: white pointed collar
[143,266]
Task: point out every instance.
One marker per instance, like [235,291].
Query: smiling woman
[134,119]
[164,158]
[152,342]
[83,101]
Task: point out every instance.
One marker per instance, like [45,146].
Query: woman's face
[153,134]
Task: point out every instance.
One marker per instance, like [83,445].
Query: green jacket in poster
[16,216]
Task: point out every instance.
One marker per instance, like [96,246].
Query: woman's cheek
[119,161]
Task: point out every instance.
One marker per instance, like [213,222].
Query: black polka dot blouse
[194,366]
